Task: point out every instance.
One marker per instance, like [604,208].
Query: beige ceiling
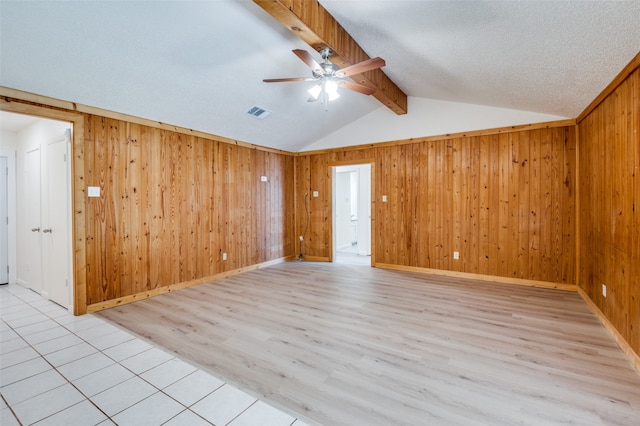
[200,64]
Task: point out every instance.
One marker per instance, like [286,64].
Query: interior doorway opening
[352,213]
[39,212]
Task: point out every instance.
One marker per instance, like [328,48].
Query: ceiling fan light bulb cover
[331,87]
[314,92]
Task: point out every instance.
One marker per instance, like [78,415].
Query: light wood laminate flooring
[341,344]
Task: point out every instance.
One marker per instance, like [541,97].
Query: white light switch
[315,194]
[93,191]
[263,178]
[384,198]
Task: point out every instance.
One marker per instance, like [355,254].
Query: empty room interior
[321,212]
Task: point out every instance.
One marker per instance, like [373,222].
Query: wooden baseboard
[314,258]
[173,287]
[633,357]
[491,278]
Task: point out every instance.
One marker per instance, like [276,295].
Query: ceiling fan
[329,77]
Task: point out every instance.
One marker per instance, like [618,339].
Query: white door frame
[333,171]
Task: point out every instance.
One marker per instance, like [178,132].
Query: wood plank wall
[609,193]
[505,202]
[172,203]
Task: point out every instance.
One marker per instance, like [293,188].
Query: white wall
[8,143]
[426,117]
[343,210]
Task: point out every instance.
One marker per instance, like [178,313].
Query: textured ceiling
[200,64]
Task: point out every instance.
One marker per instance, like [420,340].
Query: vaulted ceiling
[200,64]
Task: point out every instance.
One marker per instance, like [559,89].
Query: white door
[55,232]
[4,221]
[33,233]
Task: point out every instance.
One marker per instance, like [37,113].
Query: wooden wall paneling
[200,188]
[609,223]
[418,205]
[133,240]
[319,231]
[155,208]
[546,255]
[439,180]
[413,227]
[458,213]
[93,209]
[431,207]
[504,237]
[535,183]
[162,219]
[114,230]
[271,206]
[221,239]
[385,239]
[503,201]
[473,188]
[79,217]
[633,131]
[493,206]
[288,214]
[261,226]
[514,206]
[568,271]
[524,210]
[166,236]
[400,202]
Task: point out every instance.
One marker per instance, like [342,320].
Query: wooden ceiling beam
[314,25]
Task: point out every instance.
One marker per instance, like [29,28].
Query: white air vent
[258,112]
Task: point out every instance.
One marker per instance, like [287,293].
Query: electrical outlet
[604,290]
[263,178]
[384,198]
[456,255]
[224,256]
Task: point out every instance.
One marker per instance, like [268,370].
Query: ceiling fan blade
[360,67]
[283,80]
[308,59]
[357,87]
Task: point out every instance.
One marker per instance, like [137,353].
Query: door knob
[47,230]
[35,229]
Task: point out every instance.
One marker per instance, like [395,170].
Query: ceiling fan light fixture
[314,92]
[331,87]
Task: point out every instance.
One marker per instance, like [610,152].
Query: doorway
[352,213]
[42,205]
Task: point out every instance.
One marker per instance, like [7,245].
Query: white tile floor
[57,369]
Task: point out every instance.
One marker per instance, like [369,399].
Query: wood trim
[316,258]
[95,307]
[621,77]
[633,357]
[78,217]
[490,278]
[86,109]
[311,22]
[448,136]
